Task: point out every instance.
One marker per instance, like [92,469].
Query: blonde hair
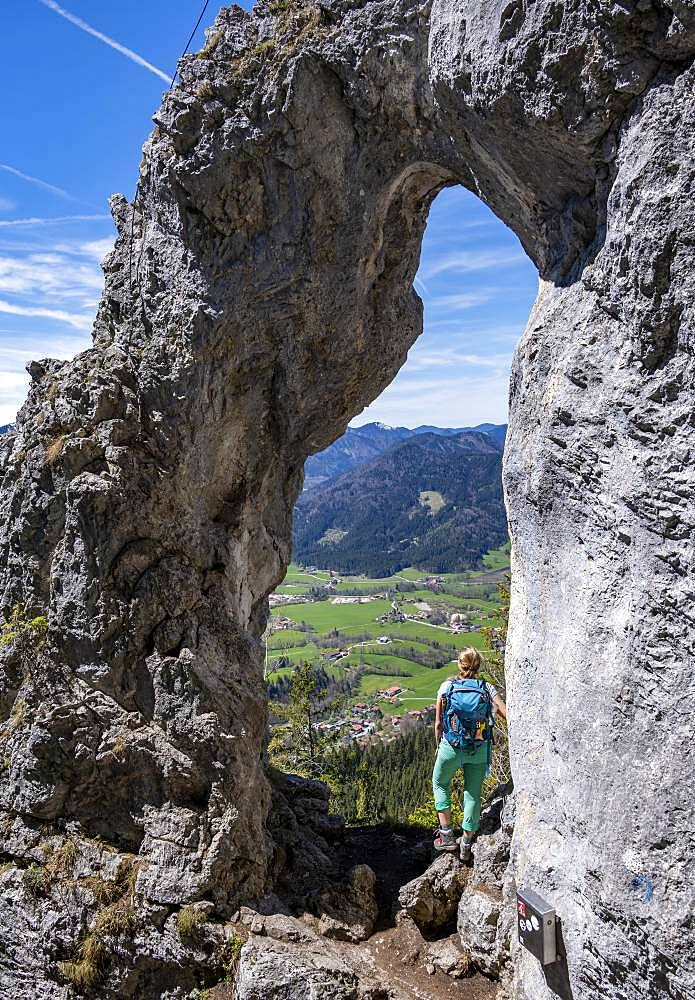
[469,661]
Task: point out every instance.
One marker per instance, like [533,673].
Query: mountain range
[380,499]
[359,444]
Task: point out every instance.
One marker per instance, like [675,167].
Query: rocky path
[401,957]
[390,935]
[406,957]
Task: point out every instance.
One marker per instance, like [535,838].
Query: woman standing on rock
[466,710]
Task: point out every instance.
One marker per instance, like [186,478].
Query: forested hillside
[433,501]
[384,782]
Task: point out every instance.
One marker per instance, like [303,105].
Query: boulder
[348,912]
[431,899]
[275,970]
[478,915]
[448,956]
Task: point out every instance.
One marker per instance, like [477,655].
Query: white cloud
[97,248]
[17,350]
[454,229]
[112,43]
[471,260]
[456,403]
[49,275]
[13,389]
[6,205]
[59,282]
[445,358]
[491,329]
[462,300]
[82,321]
[420,285]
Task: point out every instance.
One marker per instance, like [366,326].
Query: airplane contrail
[37,181]
[128,53]
[54,221]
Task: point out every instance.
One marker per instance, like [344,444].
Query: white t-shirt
[491,689]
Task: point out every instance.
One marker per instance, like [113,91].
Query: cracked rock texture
[259,295]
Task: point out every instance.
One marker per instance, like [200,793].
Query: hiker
[466,709]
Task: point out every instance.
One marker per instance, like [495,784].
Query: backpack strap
[447,693]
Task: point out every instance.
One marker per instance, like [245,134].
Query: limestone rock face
[259,295]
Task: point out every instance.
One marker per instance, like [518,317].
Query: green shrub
[229,957]
[34,880]
[19,628]
[26,634]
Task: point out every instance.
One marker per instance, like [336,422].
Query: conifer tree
[297,746]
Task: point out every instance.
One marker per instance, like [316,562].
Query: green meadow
[324,616]
[459,592]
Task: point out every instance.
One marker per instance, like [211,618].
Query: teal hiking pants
[474,766]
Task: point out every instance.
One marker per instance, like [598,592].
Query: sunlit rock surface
[259,295]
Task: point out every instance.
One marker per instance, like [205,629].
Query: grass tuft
[189,921]
[54,448]
[62,861]
[87,970]
[117,920]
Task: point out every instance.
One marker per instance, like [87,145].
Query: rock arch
[259,295]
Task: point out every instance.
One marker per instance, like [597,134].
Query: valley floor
[398,634]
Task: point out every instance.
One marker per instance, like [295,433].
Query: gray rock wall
[600,493]
[259,295]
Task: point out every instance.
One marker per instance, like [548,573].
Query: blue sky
[477,286]
[76,113]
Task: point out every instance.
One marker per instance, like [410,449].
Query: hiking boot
[445,841]
[465,844]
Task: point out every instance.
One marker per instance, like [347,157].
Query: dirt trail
[396,955]
[403,967]
[400,951]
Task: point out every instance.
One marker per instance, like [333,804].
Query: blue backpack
[467,719]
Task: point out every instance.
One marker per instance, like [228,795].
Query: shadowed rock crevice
[258,297]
